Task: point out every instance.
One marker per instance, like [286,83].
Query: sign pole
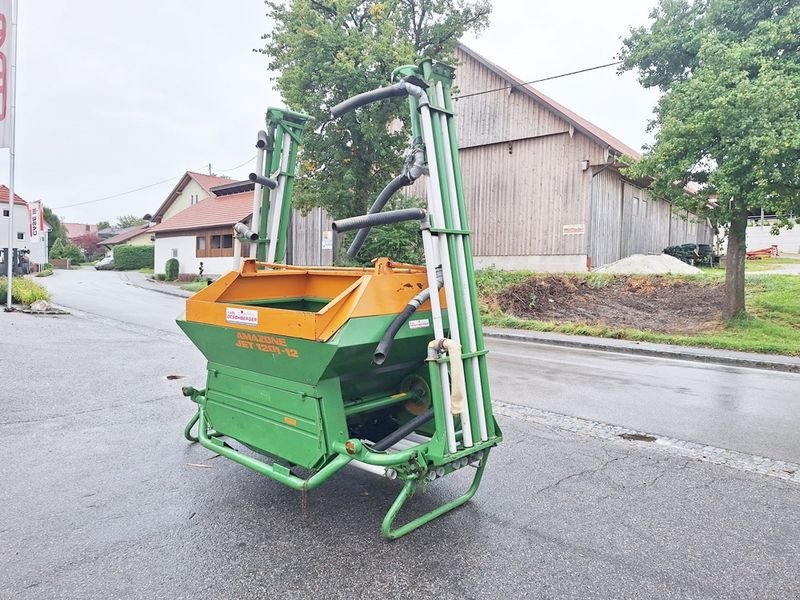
[12,116]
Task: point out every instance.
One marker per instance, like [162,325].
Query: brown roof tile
[211,212]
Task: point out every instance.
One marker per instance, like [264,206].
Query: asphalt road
[102,498]
[744,409]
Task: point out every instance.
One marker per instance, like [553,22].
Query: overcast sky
[114,96]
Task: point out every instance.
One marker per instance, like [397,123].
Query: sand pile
[652,264]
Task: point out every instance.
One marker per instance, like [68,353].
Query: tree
[58,231]
[729,118]
[103,225]
[57,250]
[89,243]
[126,221]
[329,51]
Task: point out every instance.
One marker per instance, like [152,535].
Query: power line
[251,159]
[144,187]
[559,76]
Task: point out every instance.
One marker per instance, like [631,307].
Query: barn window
[227,241]
[200,248]
[216,242]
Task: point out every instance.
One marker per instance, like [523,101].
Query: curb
[155,288]
[688,353]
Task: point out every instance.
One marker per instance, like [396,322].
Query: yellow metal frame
[384,289]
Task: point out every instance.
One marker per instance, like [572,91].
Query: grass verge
[195,286]
[771,326]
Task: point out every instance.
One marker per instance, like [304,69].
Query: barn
[544,186]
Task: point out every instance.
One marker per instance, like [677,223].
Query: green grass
[768,264]
[23,291]
[771,326]
[195,286]
[146,270]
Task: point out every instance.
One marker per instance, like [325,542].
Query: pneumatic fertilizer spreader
[380,368]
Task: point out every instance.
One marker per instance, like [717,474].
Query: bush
[160,277]
[127,258]
[24,290]
[45,273]
[171,269]
[57,251]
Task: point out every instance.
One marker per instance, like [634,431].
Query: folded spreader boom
[381,368]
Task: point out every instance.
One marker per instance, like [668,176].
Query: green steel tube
[268,470]
[407,491]
[472,288]
[276,134]
[441,168]
[378,403]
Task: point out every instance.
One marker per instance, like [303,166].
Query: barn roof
[589,129]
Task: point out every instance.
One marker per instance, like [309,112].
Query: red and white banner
[37,220]
[6,72]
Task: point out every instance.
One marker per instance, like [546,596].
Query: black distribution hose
[392,91]
[261,140]
[398,434]
[385,345]
[386,218]
[265,181]
[394,185]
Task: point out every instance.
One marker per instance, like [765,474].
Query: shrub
[45,273]
[73,253]
[127,258]
[24,290]
[160,277]
[171,269]
[57,251]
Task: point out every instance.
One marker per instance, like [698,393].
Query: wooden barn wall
[520,195]
[305,238]
[498,116]
[625,220]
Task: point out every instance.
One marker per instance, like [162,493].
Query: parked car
[106,264]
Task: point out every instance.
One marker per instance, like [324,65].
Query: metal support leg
[408,490]
[187,431]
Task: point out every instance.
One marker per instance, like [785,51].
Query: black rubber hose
[390,190]
[265,181]
[383,347]
[392,91]
[398,434]
[385,218]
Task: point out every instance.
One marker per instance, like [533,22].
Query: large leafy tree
[125,221]
[327,51]
[729,116]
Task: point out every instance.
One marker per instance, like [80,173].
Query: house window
[227,241]
[20,236]
[5,212]
[174,253]
[200,247]
[216,242]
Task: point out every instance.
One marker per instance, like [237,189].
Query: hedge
[171,269]
[128,258]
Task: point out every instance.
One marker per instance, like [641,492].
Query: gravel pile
[649,264]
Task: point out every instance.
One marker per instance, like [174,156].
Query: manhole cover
[637,437]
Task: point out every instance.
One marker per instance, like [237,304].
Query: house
[543,185]
[76,230]
[29,234]
[191,189]
[138,235]
[203,232]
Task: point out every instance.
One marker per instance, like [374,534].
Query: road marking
[780,469]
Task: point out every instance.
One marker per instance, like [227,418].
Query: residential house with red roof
[203,232]
[30,229]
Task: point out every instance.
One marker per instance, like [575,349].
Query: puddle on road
[637,437]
